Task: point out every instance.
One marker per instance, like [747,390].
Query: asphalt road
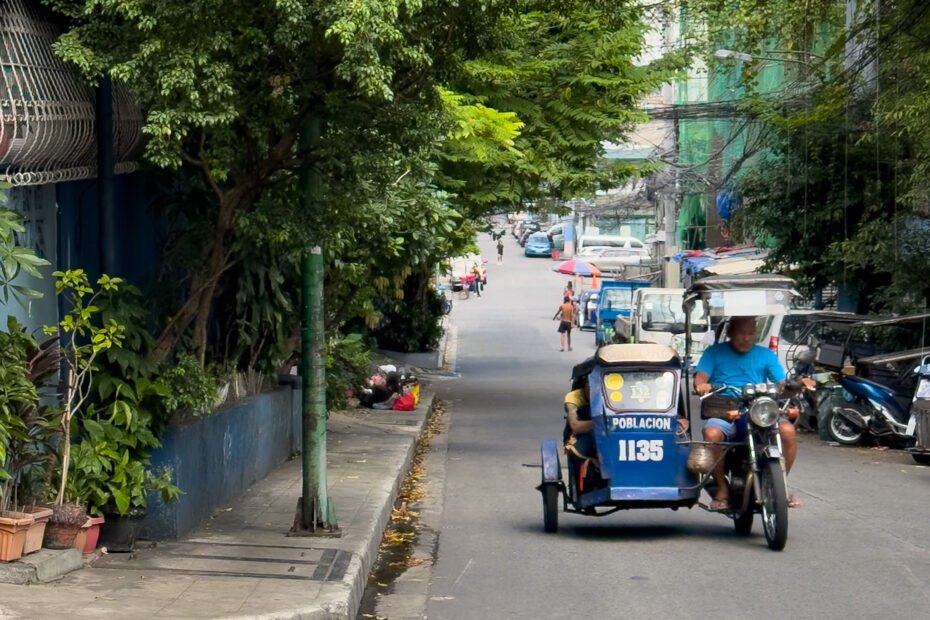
[858,548]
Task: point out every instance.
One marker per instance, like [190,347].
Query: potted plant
[25,428]
[13,528]
[86,338]
[63,526]
[31,427]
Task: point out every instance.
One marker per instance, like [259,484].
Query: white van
[634,245]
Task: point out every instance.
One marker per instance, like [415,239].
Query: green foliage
[413,322]
[842,194]
[17,392]
[26,427]
[348,365]
[111,467]
[434,112]
[15,259]
[189,386]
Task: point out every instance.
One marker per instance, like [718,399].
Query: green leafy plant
[189,386]
[26,426]
[111,468]
[15,259]
[348,364]
[86,339]
[414,322]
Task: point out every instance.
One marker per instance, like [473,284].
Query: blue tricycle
[641,454]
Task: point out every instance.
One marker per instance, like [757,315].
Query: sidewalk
[241,564]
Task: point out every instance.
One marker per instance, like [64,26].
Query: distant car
[556,235]
[462,266]
[527,231]
[538,244]
[588,253]
[613,241]
[614,259]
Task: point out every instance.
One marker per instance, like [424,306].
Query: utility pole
[316,513]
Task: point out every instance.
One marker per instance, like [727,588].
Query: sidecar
[636,455]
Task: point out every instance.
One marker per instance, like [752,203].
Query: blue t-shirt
[727,367]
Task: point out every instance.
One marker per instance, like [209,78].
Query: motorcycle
[872,410]
[753,460]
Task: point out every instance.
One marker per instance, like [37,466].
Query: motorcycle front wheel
[774,505]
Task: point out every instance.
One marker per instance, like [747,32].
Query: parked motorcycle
[871,410]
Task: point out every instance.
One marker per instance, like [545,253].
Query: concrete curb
[356,577]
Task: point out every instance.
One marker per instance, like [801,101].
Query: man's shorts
[728,428]
[565,326]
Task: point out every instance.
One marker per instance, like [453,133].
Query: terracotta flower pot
[59,535]
[13,528]
[86,540]
[36,531]
[65,523]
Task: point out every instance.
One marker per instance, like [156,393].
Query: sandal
[720,505]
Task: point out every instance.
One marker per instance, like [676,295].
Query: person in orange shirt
[566,313]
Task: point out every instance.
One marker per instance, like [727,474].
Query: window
[618,299]
[639,390]
[636,244]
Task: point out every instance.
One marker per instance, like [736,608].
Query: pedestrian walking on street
[566,314]
[500,251]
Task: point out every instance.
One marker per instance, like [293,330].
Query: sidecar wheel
[841,431]
[743,523]
[550,493]
[774,505]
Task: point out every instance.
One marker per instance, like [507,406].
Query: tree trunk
[215,260]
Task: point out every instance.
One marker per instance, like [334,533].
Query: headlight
[764,412]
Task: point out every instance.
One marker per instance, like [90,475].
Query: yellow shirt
[576,397]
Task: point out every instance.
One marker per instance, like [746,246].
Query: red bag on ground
[404,403]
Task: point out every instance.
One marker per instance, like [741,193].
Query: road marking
[462,574]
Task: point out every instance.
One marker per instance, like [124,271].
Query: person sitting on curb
[735,363]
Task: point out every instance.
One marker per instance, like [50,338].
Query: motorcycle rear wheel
[774,505]
[842,431]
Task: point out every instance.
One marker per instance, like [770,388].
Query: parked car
[462,266]
[614,259]
[538,244]
[586,254]
[557,236]
[527,231]
[613,241]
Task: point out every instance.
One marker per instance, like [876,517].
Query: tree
[226,87]
[400,87]
[849,157]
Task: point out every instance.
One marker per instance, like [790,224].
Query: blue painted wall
[220,456]
[138,233]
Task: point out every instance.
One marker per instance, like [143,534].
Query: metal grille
[47,133]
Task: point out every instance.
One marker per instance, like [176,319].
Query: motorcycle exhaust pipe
[852,416]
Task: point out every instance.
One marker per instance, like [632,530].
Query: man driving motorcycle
[735,363]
